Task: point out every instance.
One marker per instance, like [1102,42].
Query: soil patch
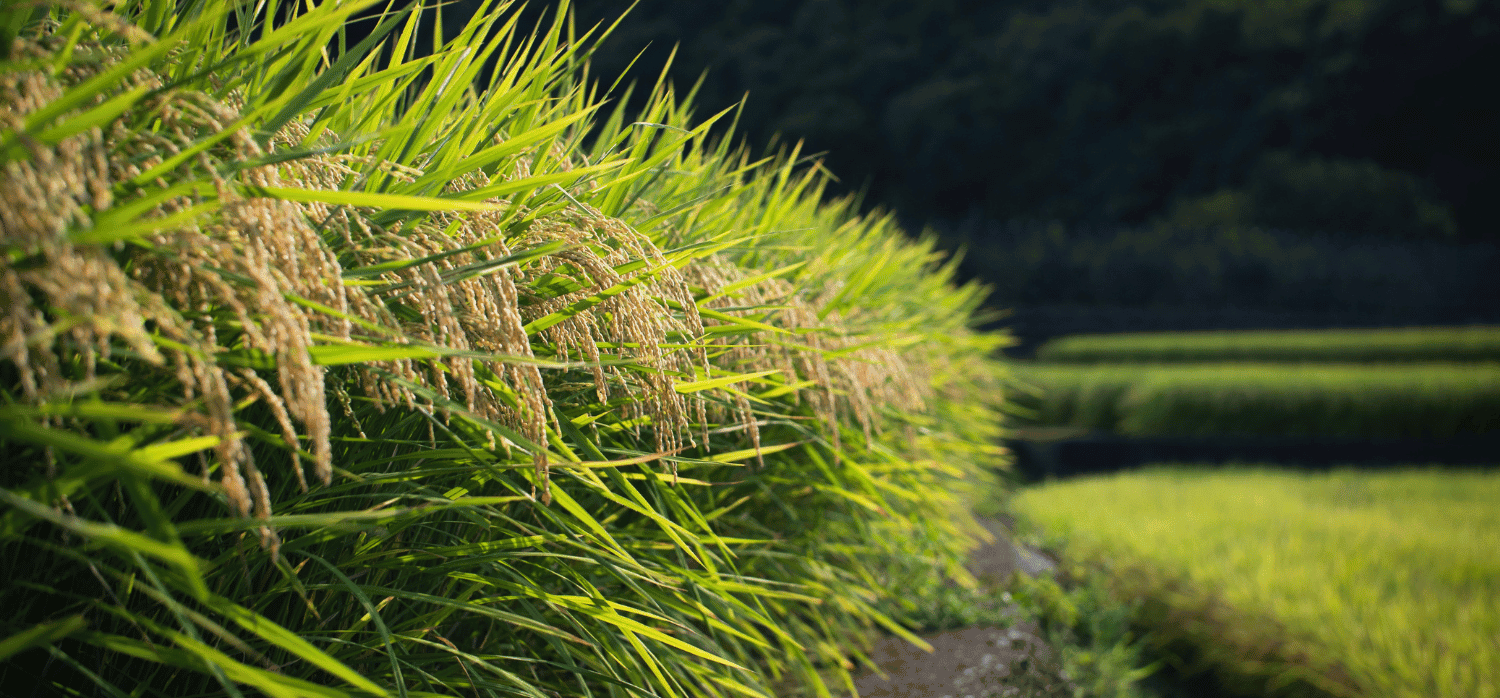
[980,661]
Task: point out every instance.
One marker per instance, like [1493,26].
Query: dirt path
[982,662]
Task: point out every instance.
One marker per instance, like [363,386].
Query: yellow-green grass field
[1475,343]
[1373,583]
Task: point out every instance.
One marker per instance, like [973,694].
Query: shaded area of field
[1097,452]
[1058,280]
[1312,399]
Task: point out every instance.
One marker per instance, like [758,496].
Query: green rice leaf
[730,289]
[740,323]
[636,627]
[688,387]
[40,635]
[508,260]
[281,637]
[127,215]
[749,453]
[94,118]
[371,199]
[334,74]
[539,181]
[631,579]
[380,626]
[106,455]
[167,450]
[110,233]
[121,539]
[194,655]
[93,409]
[341,354]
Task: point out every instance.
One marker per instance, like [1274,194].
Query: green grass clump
[379,372]
[1393,400]
[1102,653]
[1423,344]
[1352,583]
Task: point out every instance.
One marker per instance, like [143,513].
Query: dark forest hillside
[1113,112]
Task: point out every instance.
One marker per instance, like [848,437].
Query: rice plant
[1352,583]
[1415,344]
[381,371]
[1426,400]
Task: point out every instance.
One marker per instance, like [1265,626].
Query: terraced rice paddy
[1377,345]
[1430,400]
[1358,583]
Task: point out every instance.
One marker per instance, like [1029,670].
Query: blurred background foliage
[1112,111]
[1349,127]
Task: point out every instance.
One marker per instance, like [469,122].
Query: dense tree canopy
[1365,117]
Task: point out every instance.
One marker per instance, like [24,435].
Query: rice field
[1360,583]
[1418,344]
[398,372]
[1420,400]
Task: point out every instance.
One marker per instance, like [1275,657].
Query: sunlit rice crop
[328,374]
[1383,581]
[1419,344]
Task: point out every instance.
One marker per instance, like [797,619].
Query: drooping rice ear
[747,418]
[279,413]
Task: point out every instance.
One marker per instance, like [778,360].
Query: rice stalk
[524,350]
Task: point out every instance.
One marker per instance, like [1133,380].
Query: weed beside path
[1042,641]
